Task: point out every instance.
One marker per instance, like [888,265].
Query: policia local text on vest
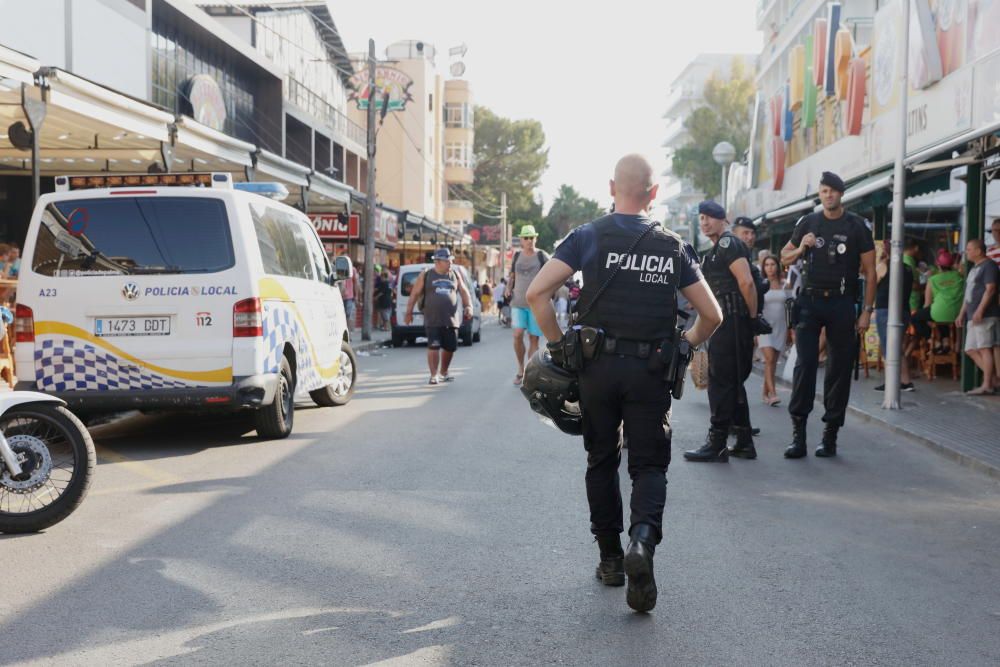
[627,356]
[836,245]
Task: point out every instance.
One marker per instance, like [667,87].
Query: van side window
[283,240]
[318,254]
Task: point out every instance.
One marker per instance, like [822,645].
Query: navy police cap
[831,180]
[743,221]
[712,210]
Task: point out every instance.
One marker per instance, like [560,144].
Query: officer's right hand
[809,240]
[558,352]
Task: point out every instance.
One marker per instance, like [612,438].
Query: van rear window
[133,236]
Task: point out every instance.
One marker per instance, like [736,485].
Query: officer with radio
[836,246]
[628,357]
[730,352]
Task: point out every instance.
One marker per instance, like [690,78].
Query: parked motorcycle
[47,461]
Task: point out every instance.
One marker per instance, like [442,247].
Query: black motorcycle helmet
[553,393]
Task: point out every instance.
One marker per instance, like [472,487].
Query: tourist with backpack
[527,263]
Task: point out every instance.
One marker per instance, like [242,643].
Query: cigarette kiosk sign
[332,226]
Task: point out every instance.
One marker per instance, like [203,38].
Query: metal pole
[503,235]
[369,287]
[722,197]
[894,346]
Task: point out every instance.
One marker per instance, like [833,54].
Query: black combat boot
[714,450]
[828,448]
[641,592]
[797,449]
[743,448]
[754,431]
[611,569]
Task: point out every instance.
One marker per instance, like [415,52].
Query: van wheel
[275,421]
[465,333]
[397,339]
[478,336]
[342,389]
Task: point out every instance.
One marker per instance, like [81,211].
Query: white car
[138,293]
[470,332]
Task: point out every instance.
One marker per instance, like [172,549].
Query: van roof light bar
[220,180]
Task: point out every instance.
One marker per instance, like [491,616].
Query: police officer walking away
[836,244]
[632,270]
[730,352]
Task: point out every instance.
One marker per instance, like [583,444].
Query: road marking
[140,468]
[436,625]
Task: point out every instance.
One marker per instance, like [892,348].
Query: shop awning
[17,67]
[798,208]
[946,147]
[287,172]
[326,192]
[199,147]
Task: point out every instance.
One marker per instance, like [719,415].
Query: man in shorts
[443,287]
[981,314]
[527,263]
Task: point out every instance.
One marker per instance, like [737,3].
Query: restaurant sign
[391,85]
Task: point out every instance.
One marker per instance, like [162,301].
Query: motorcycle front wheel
[56,454]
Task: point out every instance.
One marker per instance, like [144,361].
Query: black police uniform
[827,300]
[619,390]
[730,355]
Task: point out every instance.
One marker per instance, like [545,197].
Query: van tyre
[342,389]
[465,333]
[61,424]
[478,336]
[275,421]
[397,339]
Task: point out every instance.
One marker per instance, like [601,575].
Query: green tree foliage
[725,116]
[510,157]
[569,209]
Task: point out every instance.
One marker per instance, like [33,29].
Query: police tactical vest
[715,266]
[834,262]
[641,302]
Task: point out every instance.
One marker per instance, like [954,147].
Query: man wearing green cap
[526,265]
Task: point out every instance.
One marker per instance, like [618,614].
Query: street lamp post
[724,155]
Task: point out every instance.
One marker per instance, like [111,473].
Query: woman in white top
[773,344]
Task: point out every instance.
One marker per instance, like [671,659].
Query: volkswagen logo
[130,291]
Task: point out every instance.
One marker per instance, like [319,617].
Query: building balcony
[314,105]
[764,8]
[681,100]
[458,212]
[676,136]
[459,174]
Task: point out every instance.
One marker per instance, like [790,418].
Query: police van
[180,292]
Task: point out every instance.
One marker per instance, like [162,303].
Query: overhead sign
[336,225]
[390,83]
[387,227]
[207,104]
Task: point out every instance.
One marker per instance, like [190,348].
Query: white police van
[136,293]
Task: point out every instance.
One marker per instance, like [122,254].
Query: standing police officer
[730,352]
[836,244]
[637,312]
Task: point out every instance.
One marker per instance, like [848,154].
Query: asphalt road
[445,525]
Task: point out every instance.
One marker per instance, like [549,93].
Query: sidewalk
[966,429]
[379,339]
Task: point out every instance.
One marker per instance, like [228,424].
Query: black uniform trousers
[620,392]
[838,315]
[730,360]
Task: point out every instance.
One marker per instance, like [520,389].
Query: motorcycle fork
[9,457]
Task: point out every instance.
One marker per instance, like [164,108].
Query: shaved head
[633,187]
[633,176]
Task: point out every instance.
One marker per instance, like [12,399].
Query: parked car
[160,297]
[470,332]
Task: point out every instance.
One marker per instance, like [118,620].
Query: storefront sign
[207,104]
[387,227]
[986,105]
[336,225]
[390,83]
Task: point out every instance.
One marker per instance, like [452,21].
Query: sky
[596,74]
